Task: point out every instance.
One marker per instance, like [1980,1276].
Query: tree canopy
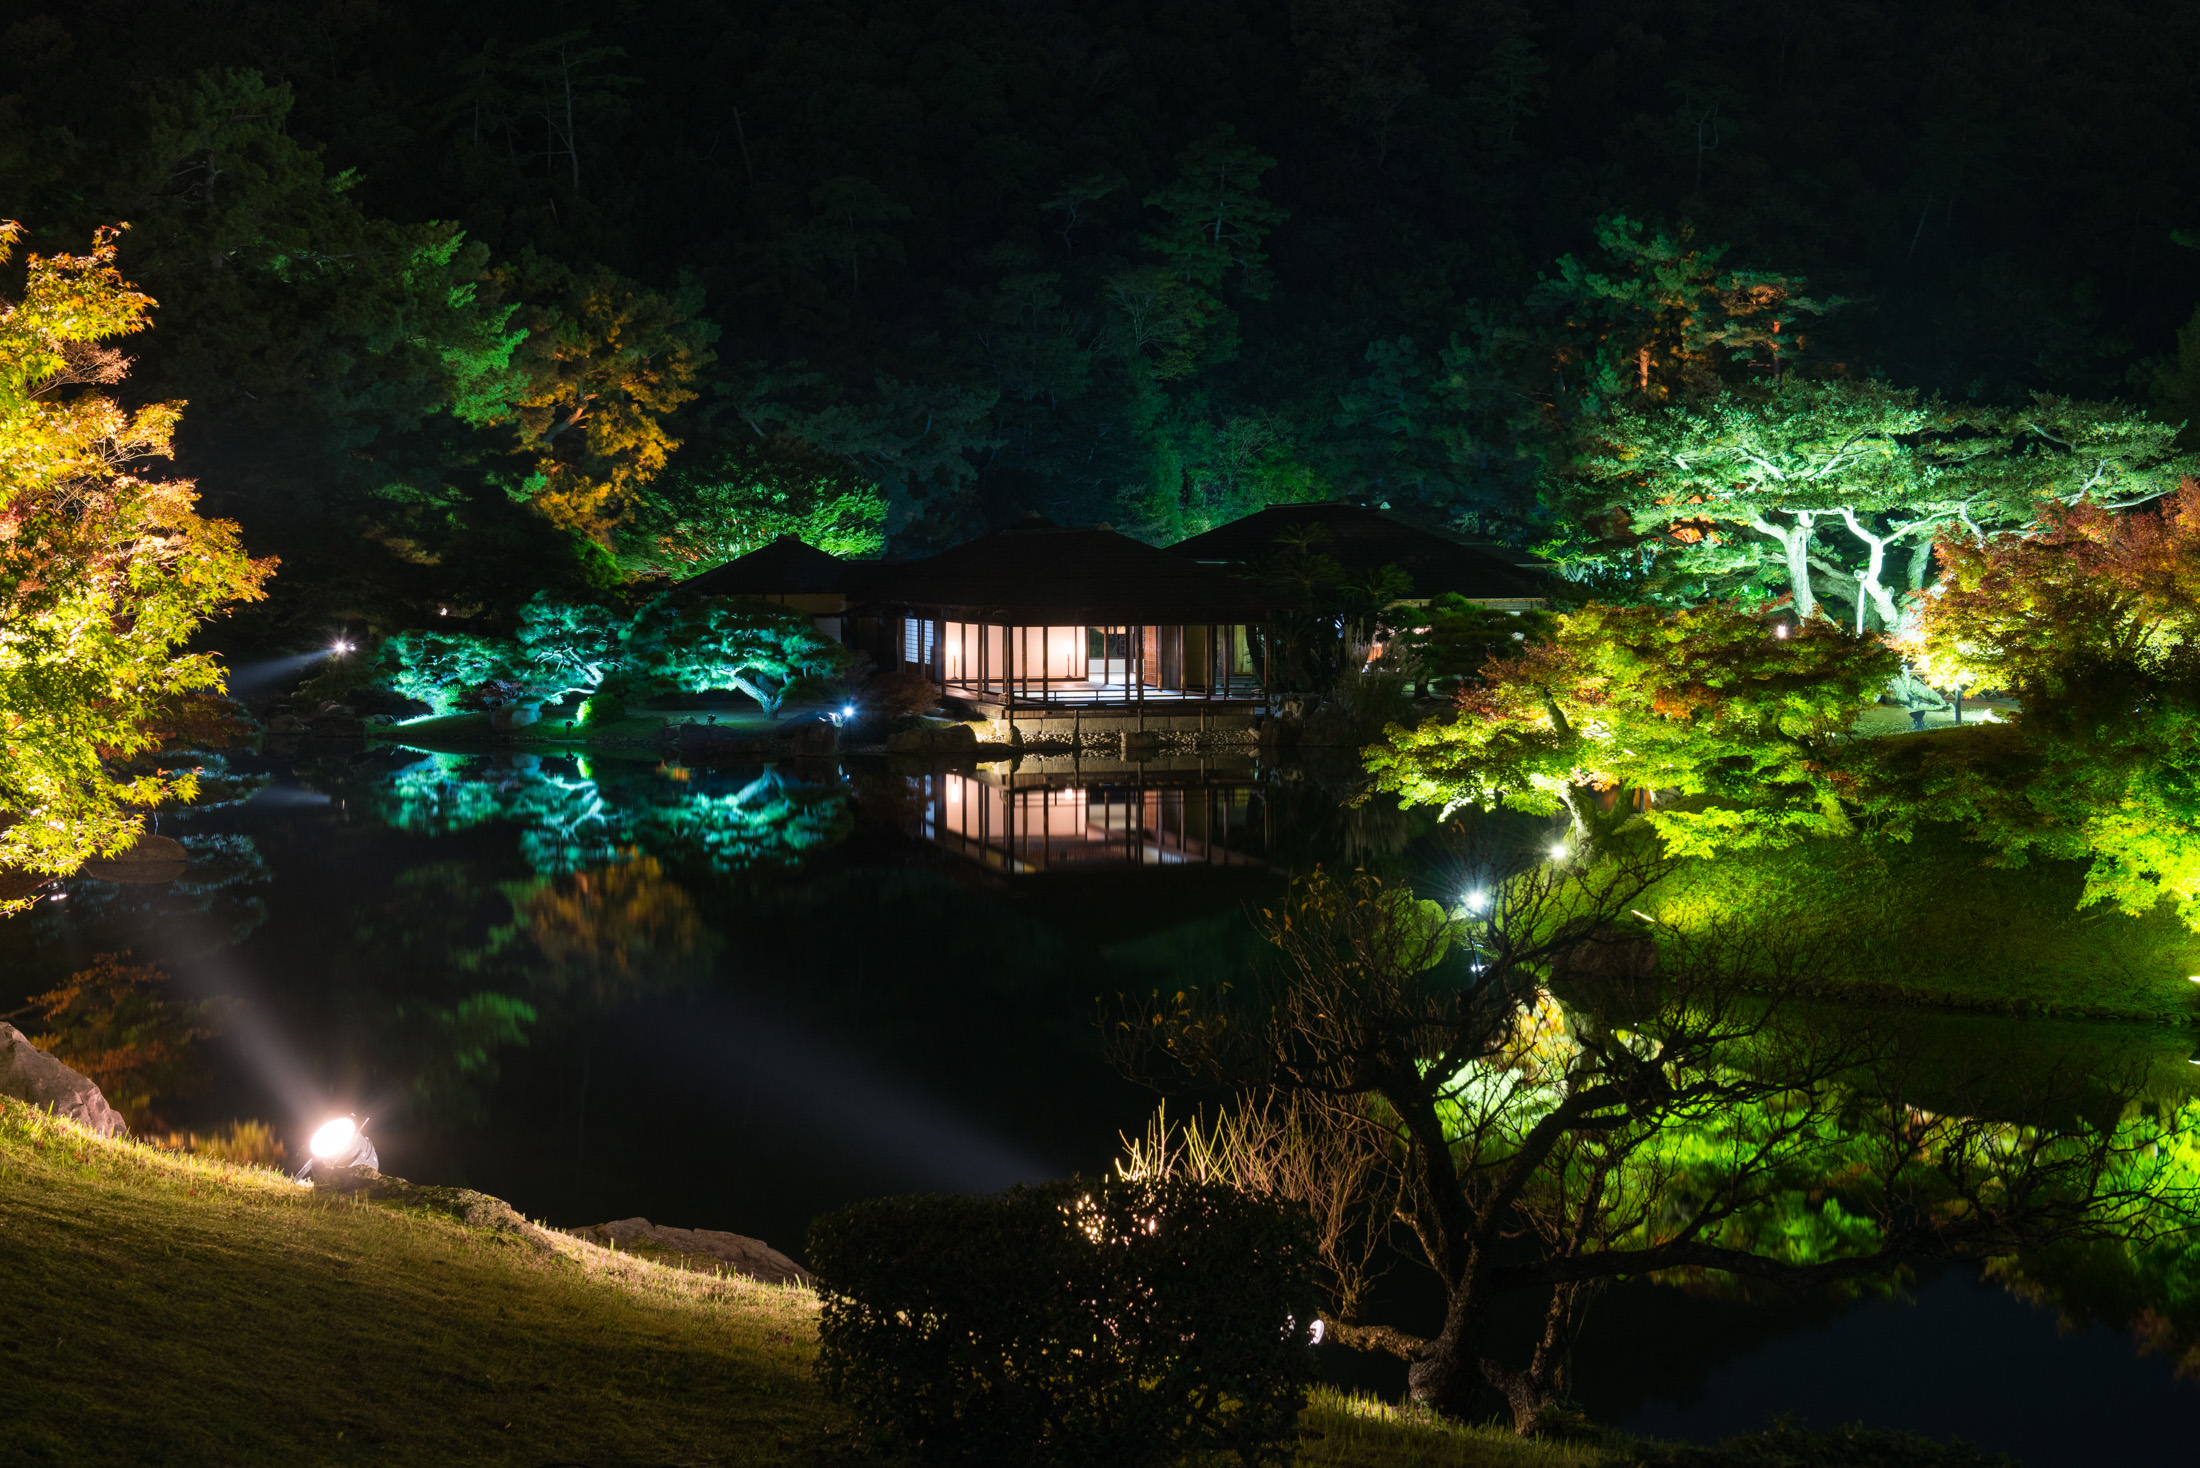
[1738,721]
[105,573]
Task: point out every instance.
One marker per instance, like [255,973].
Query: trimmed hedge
[1117,1323]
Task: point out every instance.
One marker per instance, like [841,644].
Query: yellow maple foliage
[104,573]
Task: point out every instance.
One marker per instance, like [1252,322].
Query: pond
[734,997]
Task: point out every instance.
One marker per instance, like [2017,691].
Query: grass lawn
[1929,921]
[168,1309]
[1359,1432]
[163,1309]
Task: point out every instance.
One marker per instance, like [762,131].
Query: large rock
[696,1248]
[28,1073]
[151,859]
[475,1210]
[948,739]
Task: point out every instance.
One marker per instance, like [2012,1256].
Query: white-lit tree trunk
[1795,545]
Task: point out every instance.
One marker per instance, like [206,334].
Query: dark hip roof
[786,567]
[1363,539]
[1038,573]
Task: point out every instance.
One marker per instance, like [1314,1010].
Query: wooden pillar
[1137,648]
[1008,676]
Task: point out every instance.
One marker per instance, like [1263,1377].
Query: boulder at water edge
[696,1248]
[150,860]
[28,1073]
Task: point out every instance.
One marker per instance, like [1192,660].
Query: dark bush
[1116,1323]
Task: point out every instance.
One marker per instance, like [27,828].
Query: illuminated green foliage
[2093,623]
[441,668]
[1835,490]
[744,501]
[104,575]
[568,647]
[698,644]
[1748,728]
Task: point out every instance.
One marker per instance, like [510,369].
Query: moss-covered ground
[1930,921]
[160,1308]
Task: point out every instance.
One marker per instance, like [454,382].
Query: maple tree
[1742,730]
[605,362]
[2093,624]
[104,573]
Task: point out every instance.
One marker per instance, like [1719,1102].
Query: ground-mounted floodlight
[1477,900]
[1558,851]
[340,1141]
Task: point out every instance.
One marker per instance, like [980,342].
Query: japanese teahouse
[1361,537]
[791,574]
[1038,619]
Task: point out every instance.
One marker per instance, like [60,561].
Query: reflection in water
[722,998]
[578,813]
[1027,823]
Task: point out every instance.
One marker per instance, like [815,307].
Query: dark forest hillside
[427,270]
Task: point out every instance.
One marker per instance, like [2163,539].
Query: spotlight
[1558,851]
[333,1137]
[341,647]
[1780,629]
[1478,899]
[848,712]
[340,1142]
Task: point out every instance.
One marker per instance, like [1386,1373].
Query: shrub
[1119,1323]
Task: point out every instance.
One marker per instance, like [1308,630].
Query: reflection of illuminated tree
[2149,1286]
[610,935]
[1663,1127]
[583,819]
[769,822]
[112,1023]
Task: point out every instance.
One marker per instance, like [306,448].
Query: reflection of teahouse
[1039,619]
[793,575]
[1362,538]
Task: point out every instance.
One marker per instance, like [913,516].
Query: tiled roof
[1038,572]
[786,567]
[1361,539]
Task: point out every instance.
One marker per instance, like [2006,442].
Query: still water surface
[734,998]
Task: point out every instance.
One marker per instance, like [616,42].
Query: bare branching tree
[1545,1100]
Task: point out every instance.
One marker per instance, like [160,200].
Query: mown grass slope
[157,1308]
[164,1309]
